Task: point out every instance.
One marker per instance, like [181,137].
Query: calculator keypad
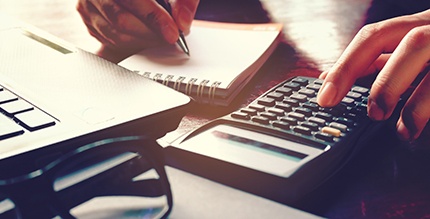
[291,107]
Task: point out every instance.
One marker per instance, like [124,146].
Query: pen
[181,41]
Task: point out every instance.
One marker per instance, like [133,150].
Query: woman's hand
[132,25]
[398,49]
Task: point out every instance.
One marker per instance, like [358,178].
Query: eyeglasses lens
[115,185]
[8,209]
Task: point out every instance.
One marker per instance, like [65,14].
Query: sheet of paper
[218,52]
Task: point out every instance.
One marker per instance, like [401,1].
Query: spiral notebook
[223,58]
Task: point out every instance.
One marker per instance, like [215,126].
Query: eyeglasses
[113,178]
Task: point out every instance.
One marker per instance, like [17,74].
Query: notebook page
[218,52]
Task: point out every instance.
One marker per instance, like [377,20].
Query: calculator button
[299,97]
[323,115]
[311,106]
[307,92]
[318,81]
[261,120]
[319,121]
[300,81]
[284,106]
[354,95]
[285,90]
[290,120]
[338,126]
[277,111]
[240,115]
[302,130]
[361,90]
[324,136]
[297,116]
[265,101]
[249,111]
[271,116]
[304,111]
[331,131]
[293,86]
[257,107]
[292,102]
[348,101]
[351,115]
[312,126]
[281,124]
[275,95]
[315,87]
[313,100]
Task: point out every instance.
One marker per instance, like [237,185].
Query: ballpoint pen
[181,41]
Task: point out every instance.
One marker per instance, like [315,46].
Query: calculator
[281,146]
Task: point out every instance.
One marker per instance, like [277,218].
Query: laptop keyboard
[18,116]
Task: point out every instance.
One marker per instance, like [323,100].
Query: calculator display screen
[250,149]
[258,145]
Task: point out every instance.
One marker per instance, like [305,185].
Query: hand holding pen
[131,25]
[181,40]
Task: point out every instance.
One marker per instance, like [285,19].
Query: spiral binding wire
[176,84]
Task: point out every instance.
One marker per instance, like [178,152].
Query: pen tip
[181,42]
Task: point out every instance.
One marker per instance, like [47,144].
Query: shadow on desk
[388,179]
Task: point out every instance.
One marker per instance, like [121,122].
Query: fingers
[136,24]
[93,21]
[323,75]
[408,38]
[370,42]
[402,68]
[154,16]
[121,19]
[115,27]
[131,25]
[377,65]
[416,113]
[183,12]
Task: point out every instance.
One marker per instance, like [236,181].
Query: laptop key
[9,128]
[17,106]
[6,96]
[35,119]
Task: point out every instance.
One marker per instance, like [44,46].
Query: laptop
[54,95]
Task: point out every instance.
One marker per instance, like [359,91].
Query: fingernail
[327,94]
[375,112]
[402,131]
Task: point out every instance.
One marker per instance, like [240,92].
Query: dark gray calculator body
[283,145]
